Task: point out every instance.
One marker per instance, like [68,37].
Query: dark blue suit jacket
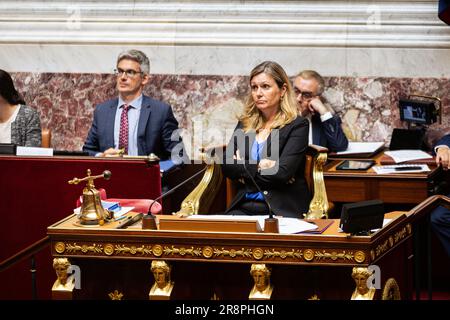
[445,140]
[329,133]
[155,128]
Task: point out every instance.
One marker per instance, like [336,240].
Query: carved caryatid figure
[162,288]
[262,290]
[64,282]
[362,291]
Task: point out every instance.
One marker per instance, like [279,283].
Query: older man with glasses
[133,123]
[325,127]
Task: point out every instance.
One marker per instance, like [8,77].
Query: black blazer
[155,128]
[286,199]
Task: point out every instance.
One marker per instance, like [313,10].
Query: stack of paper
[362,148]
[286,225]
[407,155]
[401,168]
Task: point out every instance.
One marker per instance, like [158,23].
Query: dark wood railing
[28,252]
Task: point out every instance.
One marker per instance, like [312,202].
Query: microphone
[271,223]
[148,221]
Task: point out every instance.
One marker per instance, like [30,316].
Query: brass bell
[92,211]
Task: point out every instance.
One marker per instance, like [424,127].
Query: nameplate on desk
[34,151]
[205,224]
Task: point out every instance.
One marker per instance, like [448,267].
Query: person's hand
[316,105]
[443,157]
[111,152]
[266,164]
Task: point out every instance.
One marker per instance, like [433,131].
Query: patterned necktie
[123,134]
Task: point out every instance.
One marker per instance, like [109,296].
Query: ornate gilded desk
[216,265]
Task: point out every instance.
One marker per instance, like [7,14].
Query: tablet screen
[355,165]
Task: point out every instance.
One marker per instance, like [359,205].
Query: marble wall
[208,105]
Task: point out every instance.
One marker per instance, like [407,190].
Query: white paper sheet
[286,225]
[407,155]
[392,168]
[362,147]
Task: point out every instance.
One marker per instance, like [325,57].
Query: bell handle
[106,175]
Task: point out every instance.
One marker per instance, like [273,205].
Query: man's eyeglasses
[305,94]
[130,73]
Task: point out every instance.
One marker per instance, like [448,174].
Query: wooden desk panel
[351,189]
[399,188]
[395,191]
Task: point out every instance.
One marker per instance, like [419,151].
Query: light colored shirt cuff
[326,116]
[440,146]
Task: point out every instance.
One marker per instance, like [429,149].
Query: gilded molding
[283,254]
[157,250]
[309,254]
[401,234]
[94,248]
[391,241]
[60,247]
[143,250]
[208,252]
[109,249]
[116,295]
[334,255]
[245,253]
[360,256]
[183,251]
[381,248]
[409,228]
[258,253]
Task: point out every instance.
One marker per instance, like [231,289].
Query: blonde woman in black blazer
[269,143]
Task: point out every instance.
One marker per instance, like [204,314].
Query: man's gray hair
[311,74]
[137,56]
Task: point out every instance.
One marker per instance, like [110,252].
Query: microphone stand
[270,223]
[149,220]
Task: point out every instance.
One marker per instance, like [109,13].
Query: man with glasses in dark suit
[325,127]
[133,123]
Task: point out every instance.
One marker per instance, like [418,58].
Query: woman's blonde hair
[252,118]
